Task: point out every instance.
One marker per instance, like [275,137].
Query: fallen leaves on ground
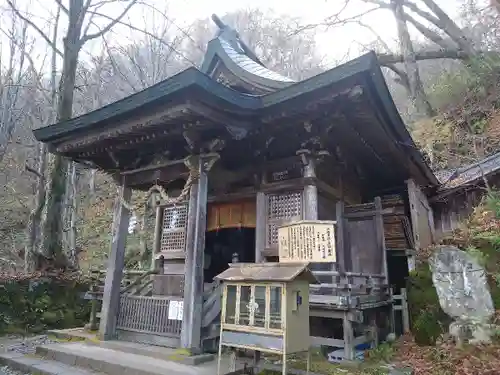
[446,358]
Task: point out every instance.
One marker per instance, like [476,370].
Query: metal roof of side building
[454,179]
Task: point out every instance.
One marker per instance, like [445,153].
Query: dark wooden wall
[453,209]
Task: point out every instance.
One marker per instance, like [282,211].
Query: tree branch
[61,6]
[336,21]
[33,25]
[145,32]
[390,58]
[402,76]
[422,13]
[108,27]
[428,33]
[441,20]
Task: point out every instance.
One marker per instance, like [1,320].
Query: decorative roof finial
[221,25]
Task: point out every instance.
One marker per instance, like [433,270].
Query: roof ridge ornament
[232,37]
[219,23]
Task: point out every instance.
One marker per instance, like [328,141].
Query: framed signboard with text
[307,241]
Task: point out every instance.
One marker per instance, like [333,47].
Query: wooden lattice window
[173,236]
[281,209]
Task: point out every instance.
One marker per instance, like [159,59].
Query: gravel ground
[24,345]
[7,371]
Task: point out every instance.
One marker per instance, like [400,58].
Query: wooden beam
[175,169]
[125,128]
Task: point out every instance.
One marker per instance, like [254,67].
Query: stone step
[33,365]
[116,362]
[152,351]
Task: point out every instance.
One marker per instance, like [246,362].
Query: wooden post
[310,191]
[260,226]
[392,313]
[413,201]
[340,243]
[92,326]
[157,236]
[373,329]
[116,263]
[379,230]
[348,338]
[195,245]
[404,311]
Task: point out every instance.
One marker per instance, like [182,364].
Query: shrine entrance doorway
[230,230]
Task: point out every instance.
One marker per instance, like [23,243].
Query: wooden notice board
[307,241]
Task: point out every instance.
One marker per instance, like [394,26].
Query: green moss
[428,319]
[32,306]
[319,365]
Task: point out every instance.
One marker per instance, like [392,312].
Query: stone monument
[463,293]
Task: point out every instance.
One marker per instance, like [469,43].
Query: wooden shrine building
[260,150]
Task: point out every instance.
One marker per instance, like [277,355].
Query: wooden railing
[134,282]
[148,315]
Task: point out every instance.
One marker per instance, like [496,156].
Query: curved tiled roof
[244,62]
[227,53]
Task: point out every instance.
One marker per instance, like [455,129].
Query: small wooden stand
[265,308]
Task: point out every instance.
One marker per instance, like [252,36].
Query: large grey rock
[463,292]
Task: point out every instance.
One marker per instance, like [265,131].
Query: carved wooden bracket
[306,156]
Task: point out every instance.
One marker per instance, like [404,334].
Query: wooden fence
[150,315]
[401,304]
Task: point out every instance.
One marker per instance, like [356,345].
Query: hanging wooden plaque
[307,241]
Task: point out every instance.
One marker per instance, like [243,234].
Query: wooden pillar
[157,236]
[348,338]
[195,245]
[116,263]
[343,258]
[380,236]
[310,190]
[260,224]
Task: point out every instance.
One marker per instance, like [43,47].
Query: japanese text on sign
[307,241]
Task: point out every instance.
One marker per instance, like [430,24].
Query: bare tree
[447,40]
[11,80]
[417,95]
[81,18]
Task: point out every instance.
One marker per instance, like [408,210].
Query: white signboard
[307,241]
[175,310]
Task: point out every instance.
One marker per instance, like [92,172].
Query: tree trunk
[73,216]
[418,97]
[55,205]
[34,227]
[451,28]
[11,87]
[6,121]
